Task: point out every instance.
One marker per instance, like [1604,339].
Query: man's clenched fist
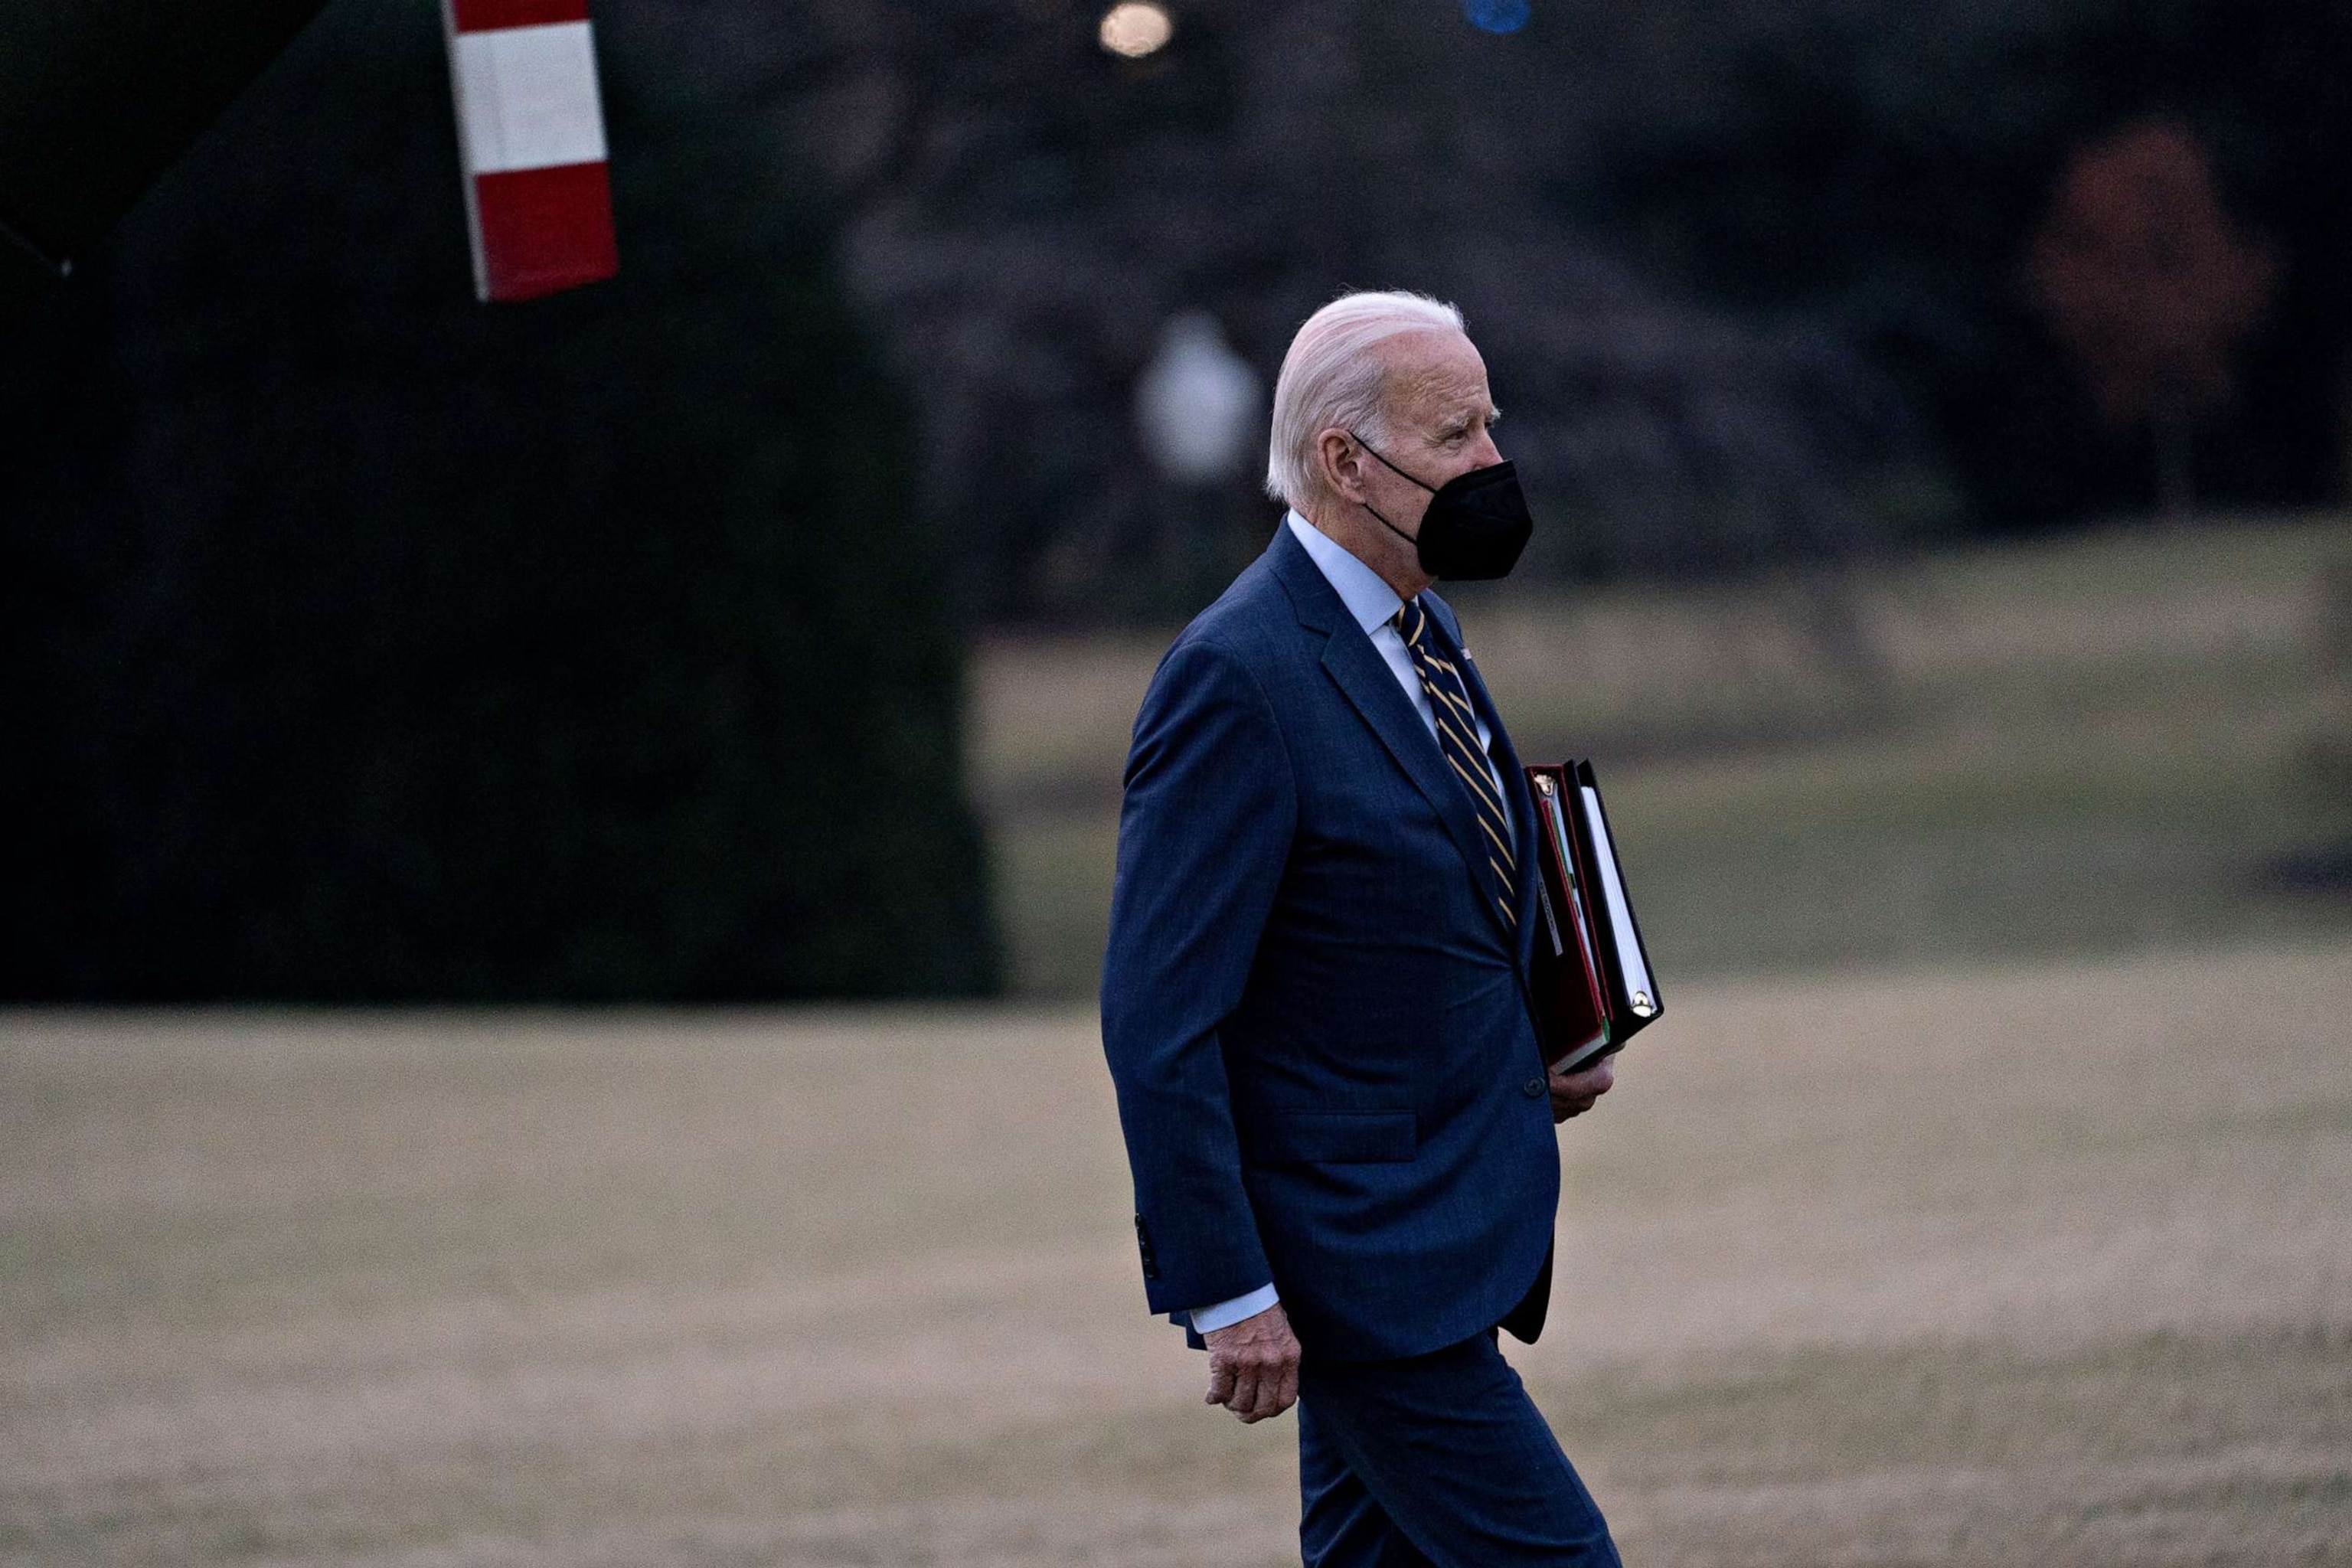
[1253,1365]
[1573,1093]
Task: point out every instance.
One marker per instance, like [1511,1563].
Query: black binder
[1594,987]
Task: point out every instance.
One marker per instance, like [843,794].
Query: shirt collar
[1373,602]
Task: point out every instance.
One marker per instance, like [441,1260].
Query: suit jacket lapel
[1356,668]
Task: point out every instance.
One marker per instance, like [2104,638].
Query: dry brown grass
[2046,1264]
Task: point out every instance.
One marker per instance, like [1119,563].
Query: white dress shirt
[1374,604]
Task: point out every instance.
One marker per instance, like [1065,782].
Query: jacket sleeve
[1204,832]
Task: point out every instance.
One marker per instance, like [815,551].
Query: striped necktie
[1457,727]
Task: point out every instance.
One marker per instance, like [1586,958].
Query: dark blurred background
[365,643]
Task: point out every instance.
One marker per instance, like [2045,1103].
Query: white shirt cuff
[1206,1320]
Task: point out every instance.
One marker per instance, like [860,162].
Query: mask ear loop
[1391,467]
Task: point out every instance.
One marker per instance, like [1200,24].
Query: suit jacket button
[1533,1089]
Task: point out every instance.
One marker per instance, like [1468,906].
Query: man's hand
[1253,1365]
[1572,1093]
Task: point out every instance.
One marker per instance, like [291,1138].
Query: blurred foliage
[2151,288]
[1887,166]
[1749,273]
[366,643]
[2147,280]
[1022,213]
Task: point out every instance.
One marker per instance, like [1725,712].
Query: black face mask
[1476,524]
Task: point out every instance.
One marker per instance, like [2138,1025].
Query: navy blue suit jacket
[1316,1016]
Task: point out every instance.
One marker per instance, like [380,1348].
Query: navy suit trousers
[1436,1459]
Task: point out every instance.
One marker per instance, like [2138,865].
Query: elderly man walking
[1315,1001]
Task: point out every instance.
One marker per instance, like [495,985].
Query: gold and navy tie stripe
[1457,727]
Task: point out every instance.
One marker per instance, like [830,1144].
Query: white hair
[1333,375]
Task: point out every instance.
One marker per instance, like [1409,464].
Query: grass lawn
[2086,745]
[2040,1263]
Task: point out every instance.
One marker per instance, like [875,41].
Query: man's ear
[1341,463]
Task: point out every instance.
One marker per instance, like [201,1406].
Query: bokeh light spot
[1497,15]
[1136,29]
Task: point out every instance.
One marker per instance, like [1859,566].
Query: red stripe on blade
[475,15]
[545,229]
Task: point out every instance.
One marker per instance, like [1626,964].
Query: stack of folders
[1593,986]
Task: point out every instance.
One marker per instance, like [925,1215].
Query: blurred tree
[1883,168]
[1023,214]
[1746,270]
[366,643]
[2151,286]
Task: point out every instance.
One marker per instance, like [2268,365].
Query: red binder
[1593,984]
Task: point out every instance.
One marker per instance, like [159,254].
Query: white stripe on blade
[528,98]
